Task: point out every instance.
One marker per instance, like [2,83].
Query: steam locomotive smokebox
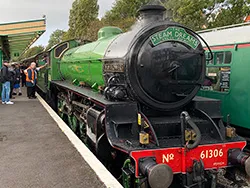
[158,63]
[166,70]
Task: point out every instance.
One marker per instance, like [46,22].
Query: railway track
[242,181]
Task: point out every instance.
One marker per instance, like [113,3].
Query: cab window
[61,49]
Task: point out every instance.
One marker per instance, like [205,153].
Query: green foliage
[92,30]
[55,38]
[124,13]
[32,51]
[125,24]
[66,36]
[202,14]
[231,12]
[195,14]
[188,12]
[123,9]
[83,12]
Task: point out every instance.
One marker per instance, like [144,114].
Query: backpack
[1,78]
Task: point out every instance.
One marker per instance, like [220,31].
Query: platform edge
[103,174]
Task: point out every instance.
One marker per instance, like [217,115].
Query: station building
[17,37]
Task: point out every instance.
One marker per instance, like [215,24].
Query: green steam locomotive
[131,98]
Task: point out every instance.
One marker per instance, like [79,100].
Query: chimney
[152,13]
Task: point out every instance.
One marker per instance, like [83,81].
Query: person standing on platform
[23,68]
[17,88]
[31,79]
[5,80]
[12,79]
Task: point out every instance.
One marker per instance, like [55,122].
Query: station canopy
[17,37]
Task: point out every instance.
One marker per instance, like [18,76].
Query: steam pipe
[80,105]
[196,130]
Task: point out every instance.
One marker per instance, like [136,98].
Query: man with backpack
[5,80]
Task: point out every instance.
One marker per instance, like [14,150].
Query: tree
[196,15]
[83,12]
[92,30]
[192,14]
[202,14]
[66,36]
[55,38]
[32,51]
[124,13]
[123,9]
[230,12]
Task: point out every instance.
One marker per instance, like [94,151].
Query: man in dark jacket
[5,80]
[12,79]
[23,68]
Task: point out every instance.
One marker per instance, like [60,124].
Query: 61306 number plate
[214,156]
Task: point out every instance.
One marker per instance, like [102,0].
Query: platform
[36,151]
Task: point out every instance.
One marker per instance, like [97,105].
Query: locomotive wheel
[82,132]
[70,121]
[60,107]
[75,124]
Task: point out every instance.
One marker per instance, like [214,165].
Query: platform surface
[36,153]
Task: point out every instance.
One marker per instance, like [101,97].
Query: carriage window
[217,79]
[228,57]
[219,57]
[208,56]
[61,49]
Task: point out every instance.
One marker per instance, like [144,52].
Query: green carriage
[228,72]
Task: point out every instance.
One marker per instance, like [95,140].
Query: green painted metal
[236,101]
[75,123]
[82,131]
[126,178]
[41,77]
[70,121]
[83,64]
[51,72]
[54,72]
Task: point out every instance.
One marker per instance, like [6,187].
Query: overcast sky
[56,11]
